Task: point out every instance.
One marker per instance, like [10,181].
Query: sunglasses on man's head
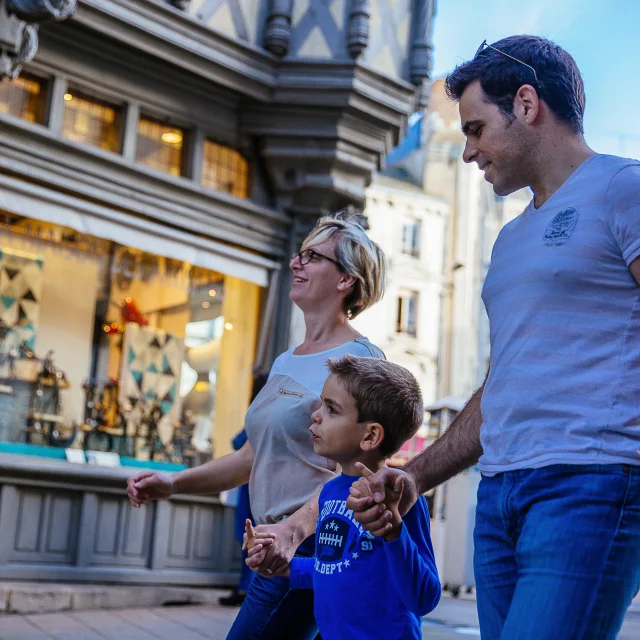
[486,44]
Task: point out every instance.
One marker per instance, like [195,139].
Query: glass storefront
[104,347]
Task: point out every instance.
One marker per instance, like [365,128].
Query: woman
[338,273]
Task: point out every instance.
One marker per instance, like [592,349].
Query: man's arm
[457,449]
[634,267]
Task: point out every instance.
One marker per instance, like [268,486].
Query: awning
[454,403]
[33,201]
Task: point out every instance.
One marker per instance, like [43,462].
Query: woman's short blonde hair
[358,255]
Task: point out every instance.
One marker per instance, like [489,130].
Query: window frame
[188,137]
[407,299]
[233,148]
[413,248]
[46,84]
[89,94]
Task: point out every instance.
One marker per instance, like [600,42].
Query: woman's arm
[289,535]
[216,475]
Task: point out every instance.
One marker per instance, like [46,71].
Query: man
[556,425]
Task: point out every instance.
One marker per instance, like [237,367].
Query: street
[452,620]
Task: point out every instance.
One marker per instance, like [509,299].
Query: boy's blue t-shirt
[364,587]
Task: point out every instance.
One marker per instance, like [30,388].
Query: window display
[104,347]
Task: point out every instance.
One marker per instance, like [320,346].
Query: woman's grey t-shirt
[286,471]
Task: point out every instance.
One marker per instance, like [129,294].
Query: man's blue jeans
[271,611]
[557,552]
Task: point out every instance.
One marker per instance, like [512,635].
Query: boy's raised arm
[412,562]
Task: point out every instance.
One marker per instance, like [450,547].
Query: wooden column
[240,308]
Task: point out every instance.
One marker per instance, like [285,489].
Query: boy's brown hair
[385,393]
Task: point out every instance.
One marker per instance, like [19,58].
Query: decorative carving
[420,59]
[41,10]
[180,4]
[358,37]
[278,30]
[18,36]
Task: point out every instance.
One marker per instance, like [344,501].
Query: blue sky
[602,35]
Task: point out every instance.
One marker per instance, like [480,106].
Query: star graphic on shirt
[355,555]
[334,526]
[328,525]
[346,563]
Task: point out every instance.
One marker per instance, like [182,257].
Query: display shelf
[19,448]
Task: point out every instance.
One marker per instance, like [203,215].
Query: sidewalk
[43,597]
[205,622]
[453,619]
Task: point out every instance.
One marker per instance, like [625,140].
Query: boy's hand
[393,495]
[256,544]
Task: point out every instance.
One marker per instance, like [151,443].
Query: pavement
[453,619]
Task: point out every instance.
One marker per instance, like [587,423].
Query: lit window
[411,239]
[406,320]
[161,146]
[25,97]
[92,121]
[224,169]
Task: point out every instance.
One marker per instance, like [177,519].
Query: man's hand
[393,497]
[149,485]
[371,494]
[278,547]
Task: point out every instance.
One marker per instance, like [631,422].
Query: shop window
[407,311]
[24,97]
[161,146]
[411,239]
[128,352]
[224,169]
[92,121]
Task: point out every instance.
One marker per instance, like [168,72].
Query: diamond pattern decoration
[151,371]
[241,19]
[318,29]
[388,49]
[21,277]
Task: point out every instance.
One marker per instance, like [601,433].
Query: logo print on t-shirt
[561,228]
[332,539]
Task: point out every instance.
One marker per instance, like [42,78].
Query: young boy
[365,586]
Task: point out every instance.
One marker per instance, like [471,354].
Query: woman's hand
[278,546]
[149,485]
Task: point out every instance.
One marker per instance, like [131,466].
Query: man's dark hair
[385,393]
[559,82]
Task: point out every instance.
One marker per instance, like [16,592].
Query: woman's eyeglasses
[306,255]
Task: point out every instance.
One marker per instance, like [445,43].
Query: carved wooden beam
[277,35]
[41,10]
[420,58]
[19,34]
[358,35]
[183,5]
